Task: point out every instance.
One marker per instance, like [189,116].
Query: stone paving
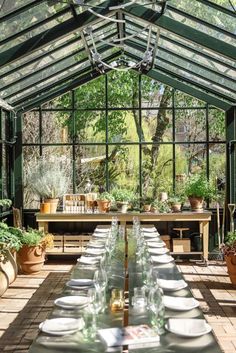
[30,298]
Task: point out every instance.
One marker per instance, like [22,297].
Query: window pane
[190,158]
[56,127]
[190,125]
[123,126]
[157,125]
[90,126]
[91,95]
[30,129]
[216,125]
[30,155]
[217,167]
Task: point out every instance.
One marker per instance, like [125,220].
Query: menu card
[138,336]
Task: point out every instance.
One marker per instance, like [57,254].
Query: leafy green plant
[197,185]
[5,203]
[105,196]
[161,206]
[229,247]
[175,199]
[9,240]
[35,237]
[123,195]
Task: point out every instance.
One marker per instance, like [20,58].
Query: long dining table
[125,273]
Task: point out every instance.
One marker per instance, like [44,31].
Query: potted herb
[146,203]
[31,256]
[228,249]
[123,197]
[198,188]
[160,206]
[49,178]
[175,203]
[104,201]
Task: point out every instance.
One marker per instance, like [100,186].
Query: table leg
[204,230]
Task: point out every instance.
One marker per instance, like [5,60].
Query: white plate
[155,244]
[162,259]
[180,303]
[71,301]
[150,235]
[99,235]
[188,327]
[102,230]
[79,283]
[61,326]
[172,285]
[149,229]
[153,240]
[94,251]
[95,245]
[88,260]
[158,251]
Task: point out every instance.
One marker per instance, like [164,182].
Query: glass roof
[46,46]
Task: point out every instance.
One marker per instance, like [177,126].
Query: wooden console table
[202,217]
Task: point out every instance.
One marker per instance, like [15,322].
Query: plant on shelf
[104,201]
[49,177]
[31,256]
[160,206]
[123,198]
[198,188]
[228,249]
[175,202]
[146,203]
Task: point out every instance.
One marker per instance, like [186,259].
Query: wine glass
[100,279]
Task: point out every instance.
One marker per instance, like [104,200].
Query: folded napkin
[162,259]
[102,230]
[158,251]
[155,244]
[179,303]
[188,327]
[61,324]
[80,282]
[95,251]
[100,235]
[149,229]
[72,300]
[88,260]
[172,285]
[95,245]
[150,235]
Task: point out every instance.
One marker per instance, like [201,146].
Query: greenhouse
[118,175]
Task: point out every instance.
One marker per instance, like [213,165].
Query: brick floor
[30,298]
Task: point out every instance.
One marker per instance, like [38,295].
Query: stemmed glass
[100,283]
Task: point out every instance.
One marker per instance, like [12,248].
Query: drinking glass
[95,300]
[100,279]
[90,324]
[156,309]
[139,299]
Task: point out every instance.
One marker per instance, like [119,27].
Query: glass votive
[117,300]
[139,299]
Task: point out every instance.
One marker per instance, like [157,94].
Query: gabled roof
[43,51]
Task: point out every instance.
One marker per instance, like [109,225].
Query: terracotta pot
[4,282]
[176,207]
[147,208]
[9,267]
[31,258]
[103,206]
[53,204]
[45,207]
[196,203]
[231,265]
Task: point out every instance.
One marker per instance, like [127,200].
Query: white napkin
[61,324]
[95,245]
[172,285]
[162,259]
[152,243]
[102,230]
[149,229]
[88,260]
[73,300]
[95,251]
[158,251]
[180,303]
[150,235]
[188,327]
[83,282]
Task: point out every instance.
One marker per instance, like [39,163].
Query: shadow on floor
[22,331]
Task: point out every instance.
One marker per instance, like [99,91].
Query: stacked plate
[79,283]
[61,326]
[158,251]
[172,285]
[72,301]
[188,327]
[150,230]
[155,244]
[162,259]
[89,260]
[180,303]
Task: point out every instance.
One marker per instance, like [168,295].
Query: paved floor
[30,298]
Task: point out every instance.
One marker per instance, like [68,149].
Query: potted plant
[122,197]
[104,201]
[49,178]
[198,188]
[228,249]
[9,242]
[146,203]
[31,255]
[175,202]
[160,206]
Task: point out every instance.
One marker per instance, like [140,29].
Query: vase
[231,266]
[53,204]
[163,196]
[4,282]
[176,207]
[122,206]
[31,258]
[9,266]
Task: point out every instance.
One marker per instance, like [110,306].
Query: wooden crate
[72,243]
[58,244]
[181,245]
[167,240]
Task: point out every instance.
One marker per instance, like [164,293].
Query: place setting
[72,301]
[80,283]
[61,326]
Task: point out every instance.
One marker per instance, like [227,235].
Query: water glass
[90,324]
[139,299]
[96,300]
[156,309]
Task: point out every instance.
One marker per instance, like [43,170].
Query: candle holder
[117,301]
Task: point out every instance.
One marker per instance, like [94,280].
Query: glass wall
[127,130]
